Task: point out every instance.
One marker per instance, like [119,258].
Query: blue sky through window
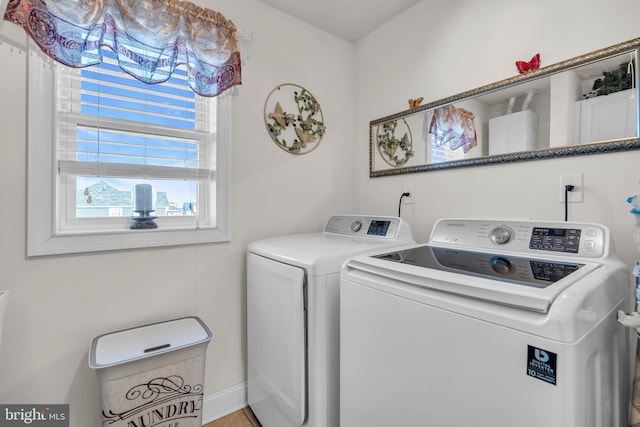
[109,93]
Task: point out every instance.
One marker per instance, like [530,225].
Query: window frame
[43,236]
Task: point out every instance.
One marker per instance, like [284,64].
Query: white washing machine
[293,287]
[491,324]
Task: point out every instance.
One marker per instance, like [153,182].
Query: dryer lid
[318,253]
[344,236]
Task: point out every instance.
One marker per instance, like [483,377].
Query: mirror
[585,105]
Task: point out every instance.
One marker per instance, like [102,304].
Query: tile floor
[242,418]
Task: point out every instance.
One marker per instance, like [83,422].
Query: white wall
[438,49]
[59,303]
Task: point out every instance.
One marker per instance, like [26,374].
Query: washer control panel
[366,226]
[567,238]
[556,239]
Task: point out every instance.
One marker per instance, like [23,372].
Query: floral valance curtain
[453,127]
[150,38]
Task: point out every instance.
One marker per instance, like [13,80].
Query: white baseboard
[224,402]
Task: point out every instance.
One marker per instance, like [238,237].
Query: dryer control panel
[566,238]
[379,227]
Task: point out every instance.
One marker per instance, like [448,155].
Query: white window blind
[111,125]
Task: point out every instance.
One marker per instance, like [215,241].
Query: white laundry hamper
[152,374]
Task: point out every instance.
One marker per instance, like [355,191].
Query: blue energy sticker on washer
[542,364]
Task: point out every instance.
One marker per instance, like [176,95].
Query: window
[95,133]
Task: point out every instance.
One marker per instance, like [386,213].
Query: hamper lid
[119,347]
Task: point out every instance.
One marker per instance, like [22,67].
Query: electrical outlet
[575,196]
[408,199]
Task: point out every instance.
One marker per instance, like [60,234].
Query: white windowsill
[131,239]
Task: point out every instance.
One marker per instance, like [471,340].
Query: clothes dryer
[293,317]
[492,323]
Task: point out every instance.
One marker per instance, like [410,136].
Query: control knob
[501,235]
[502,266]
[356,226]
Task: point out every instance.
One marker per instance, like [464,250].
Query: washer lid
[525,283]
[537,273]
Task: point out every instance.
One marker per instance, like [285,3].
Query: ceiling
[348,19]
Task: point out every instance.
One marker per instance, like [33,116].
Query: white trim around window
[43,236]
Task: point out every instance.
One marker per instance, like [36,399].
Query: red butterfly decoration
[525,67]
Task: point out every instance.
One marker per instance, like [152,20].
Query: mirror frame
[626,144]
